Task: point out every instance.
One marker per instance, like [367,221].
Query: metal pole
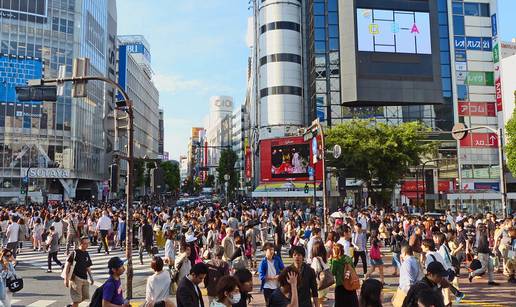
[323,163]
[417,186]
[27,186]
[315,187]
[129,215]
[424,185]
[502,173]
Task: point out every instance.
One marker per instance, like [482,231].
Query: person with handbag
[342,268]
[76,272]
[324,276]
[7,273]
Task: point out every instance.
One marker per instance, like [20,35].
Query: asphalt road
[46,289]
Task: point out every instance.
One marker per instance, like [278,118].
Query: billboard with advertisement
[195,133]
[286,159]
[393,31]
[395,55]
[467,108]
[489,140]
[16,71]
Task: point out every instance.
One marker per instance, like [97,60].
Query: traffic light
[306,188]
[80,68]
[23,189]
[113,182]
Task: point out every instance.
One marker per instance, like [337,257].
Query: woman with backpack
[346,279]
[376,260]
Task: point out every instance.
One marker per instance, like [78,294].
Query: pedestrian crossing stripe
[99,260]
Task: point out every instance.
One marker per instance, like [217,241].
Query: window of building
[476,9]
[462,92]
[458,8]
[458,25]
[320,33]
[319,21]
[332,5]
[320,46]
[318,8]
[334,44]
[333,18]
[333,31]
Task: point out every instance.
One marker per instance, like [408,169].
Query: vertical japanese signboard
[496,62]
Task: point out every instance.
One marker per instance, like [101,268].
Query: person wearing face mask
[228,292]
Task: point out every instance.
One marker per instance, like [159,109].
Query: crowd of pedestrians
[223,247]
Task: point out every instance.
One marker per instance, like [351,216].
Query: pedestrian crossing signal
[306,188]
[22,190]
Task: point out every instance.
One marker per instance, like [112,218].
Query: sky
[199,50]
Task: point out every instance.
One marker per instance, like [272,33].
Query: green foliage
[171,175]
[227,162]
[378,154]
[510,148]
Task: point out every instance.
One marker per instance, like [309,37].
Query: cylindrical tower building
[280,71]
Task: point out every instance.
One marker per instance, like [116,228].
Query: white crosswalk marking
[41,303]
[99,260]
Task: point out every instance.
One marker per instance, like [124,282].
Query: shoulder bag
[351,281]
[325,278]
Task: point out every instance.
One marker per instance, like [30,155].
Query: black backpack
[96,298]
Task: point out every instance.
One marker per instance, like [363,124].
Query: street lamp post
[27,186]
[128,108]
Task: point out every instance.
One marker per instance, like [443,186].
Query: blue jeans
[396,261]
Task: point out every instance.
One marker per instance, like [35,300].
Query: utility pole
[79,80]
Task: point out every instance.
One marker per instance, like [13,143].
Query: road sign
[36,93]
[315,150]
[61,75]
[458,132]
[311,171]
[337,151]
[227,177]
[80,69]
[25,179]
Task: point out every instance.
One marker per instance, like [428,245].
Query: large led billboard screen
[287,159]
[393,56]
[16,71]
[393,31]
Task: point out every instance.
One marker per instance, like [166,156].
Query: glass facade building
[324,97]
[36,37]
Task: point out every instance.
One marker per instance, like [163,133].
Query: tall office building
[60,145]
[135,76]
[397,61]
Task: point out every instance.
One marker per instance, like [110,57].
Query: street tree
[378,154]
[510,148]
[226,166]
[171,175]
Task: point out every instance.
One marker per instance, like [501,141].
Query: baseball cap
[436,268]
[115,263]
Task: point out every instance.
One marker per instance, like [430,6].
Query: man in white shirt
[12,235]
[104,226]
[344,240]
